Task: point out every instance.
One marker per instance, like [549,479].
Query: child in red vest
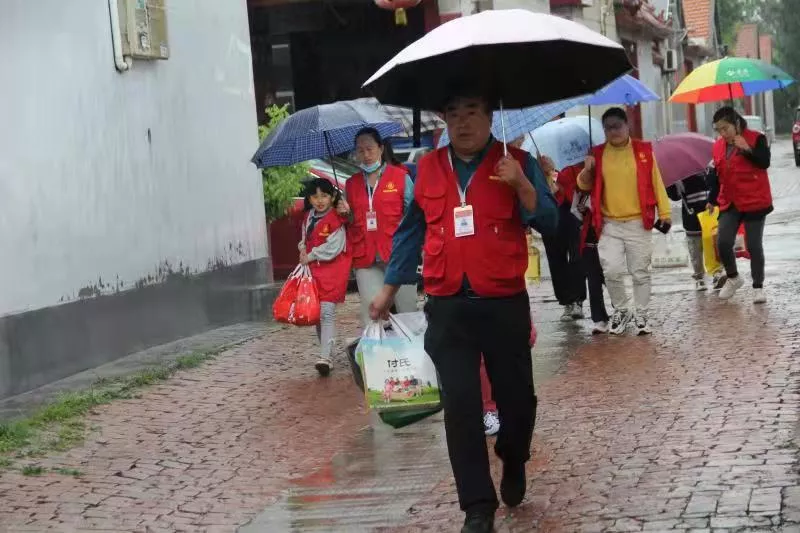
[323,249]
[491,422]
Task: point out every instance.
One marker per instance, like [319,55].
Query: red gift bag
[740,248]
[306,304]
[283,307]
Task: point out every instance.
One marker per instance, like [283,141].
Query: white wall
[591,18]
[650,75]
[540,6]
[83,195]
[769,111]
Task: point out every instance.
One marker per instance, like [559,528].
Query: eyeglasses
[612,126]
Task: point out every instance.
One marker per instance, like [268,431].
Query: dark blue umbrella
[321,131]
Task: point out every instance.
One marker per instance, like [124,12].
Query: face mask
[369,169]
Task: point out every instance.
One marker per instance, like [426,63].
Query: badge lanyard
[372,217]
[462,193]
[463,216]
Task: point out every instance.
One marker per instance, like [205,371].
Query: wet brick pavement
[692,429]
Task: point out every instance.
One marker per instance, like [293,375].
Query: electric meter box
[143,24]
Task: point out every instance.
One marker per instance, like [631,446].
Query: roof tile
[697,17]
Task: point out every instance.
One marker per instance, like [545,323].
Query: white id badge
[464,221]
[372,221]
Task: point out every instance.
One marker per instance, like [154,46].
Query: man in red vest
[471,206]
[626,192]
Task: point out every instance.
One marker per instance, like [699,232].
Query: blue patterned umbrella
[519,122]
[321,131]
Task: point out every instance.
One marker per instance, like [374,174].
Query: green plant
[32,470]
[69,472]
[281,184]
[58,425]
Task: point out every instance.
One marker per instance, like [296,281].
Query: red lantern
[399,7]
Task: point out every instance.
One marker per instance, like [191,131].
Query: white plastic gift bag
[669,252]
[398,373]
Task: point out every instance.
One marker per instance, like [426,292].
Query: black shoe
[478,523]
[513,484]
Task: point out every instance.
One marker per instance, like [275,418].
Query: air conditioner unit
[144,28]
[587,3]
[670,60]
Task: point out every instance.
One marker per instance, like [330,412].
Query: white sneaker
[566,316]
[731,286]
[619,321]
[324,367]
[642,325]
[700,285]
[759,297]
[577,311]
[491,423]
[599,328]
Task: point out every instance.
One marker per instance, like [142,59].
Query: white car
[756,123]
[411,155]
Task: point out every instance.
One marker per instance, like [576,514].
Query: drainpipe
[122,63]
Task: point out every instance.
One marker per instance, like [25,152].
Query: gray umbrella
[430,121]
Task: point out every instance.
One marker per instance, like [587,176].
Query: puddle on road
[373,484]
[384,472]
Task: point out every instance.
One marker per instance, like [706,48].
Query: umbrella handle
[330,158]
[538,152]
[503,128]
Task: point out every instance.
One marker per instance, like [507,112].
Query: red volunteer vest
[643,152]
[387,202]
[567,180]
[331,276]
[740,182]
[495,258]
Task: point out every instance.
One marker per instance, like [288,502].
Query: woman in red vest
[741,159]
[323,248]
[378,197]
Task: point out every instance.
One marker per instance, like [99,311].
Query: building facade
[310,53]
[698,43]
[131,215]
[752,42]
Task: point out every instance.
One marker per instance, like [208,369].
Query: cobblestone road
[692,429]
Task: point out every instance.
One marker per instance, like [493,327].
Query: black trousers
[564,258]
[594,274]
[460,329]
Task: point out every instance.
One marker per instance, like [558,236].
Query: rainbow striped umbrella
[729,78]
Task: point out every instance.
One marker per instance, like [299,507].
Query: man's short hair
[615,112]
[467,91]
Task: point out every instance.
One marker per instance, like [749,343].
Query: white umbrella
[565,141]
[515,57]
